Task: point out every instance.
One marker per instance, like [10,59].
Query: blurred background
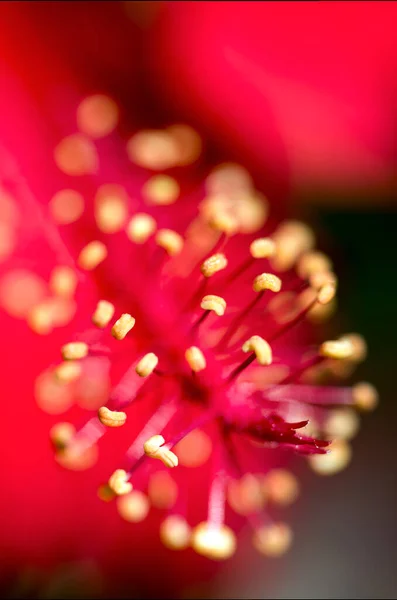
[304,96]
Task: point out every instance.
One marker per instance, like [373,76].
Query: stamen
[175,533]
[359,346]
[133,507]
[262,248]
[338,457]
[291,239]
[147,365]
[63,281]
[119,483]
[154,448]
[224,222]
[92,255]
[170,241]
[282,487]
[342,423]
[111,418]
[365,396]
[68,371]
[311,263]
[214,303]
[217,543]
[260,348]
[140,227]
[161,190]
[103,314]
[326,294]
[273,540]
[111,208]
[74,351]
[195,359]
[61,434]
[123,326]
[339,349]
[214,264]
[246,495]
[266,281]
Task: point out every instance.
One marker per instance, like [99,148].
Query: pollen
[63,281]
[262,248]
[66,206]
[161,190]
[133,507]
[74,351]
[273,540]
[111,208]
[97,116]
[213,541]
[68,371]
[103,314]
[147,364]
[342,423]
[154,448]
[326,294]
[261,349]
[195,359]
[76,155]
[122,326]
[175,533]
[153,149]
[61,434]
[92,255]
[170,240]
[111,418]
[214,264]
[339,349]
[313,262]
[224,222]
[266,281]
[338,457]
[365,396]
[140,227]
[119,483]
[359,346]
[292,238]
[194,449]
[282,487]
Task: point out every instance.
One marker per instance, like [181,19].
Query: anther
[68,371]
[313,262]
[61,434]
[262,248]
[175,533]
[216,542]
[161,190]
[338,349]
[337,458]
[359,346]
[140,227]
[261,349]
[122,326]
[223,222]
[133,507]
[103,314]
[281,486]
[326,294]
[92,255]
[365,396]
[195,359]
[154,448]
[74,350]
[111,418]
[119,483]
[213,264]
[273,540]
[266,281]
[170,240]
[63,281]
[147,364]
[214,303]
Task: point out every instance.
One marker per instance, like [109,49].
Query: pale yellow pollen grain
[61,434]
[214,264]
[170,240]
[147,364]
[195,359]
[20,291]
[291,238]
[342,423]
[188,143]
[359,344]
[337,458]
[273,540]
[282,487]
[92,255]
[103,314]
[194,449]
[261,349]
[153,447]
[217,542]
[74,351]
[111,418]
[67,372]
[40,319]
[154,149]
[111,208]
[66,206]
[228,177]
[320,278]
[246,495]
[161,190]
[262,248]
[365,396]
[215,303]
[175,533]
[133,507]
[162,490]
[266,281]
[97,115]
[313,262]
[224,222]
[63,281]
[123,326]
[140,227]
[338,349]
[326,294]
[119,483]
[76,155]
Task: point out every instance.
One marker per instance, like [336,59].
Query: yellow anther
[111,208]
[273,540]
[74,350]
[66,206]
[260,347]
[103,314]
[161,190]
[313,262]
[61,434]
[246,495]
[170,240]
[140,227]
[92,255]
[63,281]
[147,364]
[194,449]
[262,248]
[341,423]
[111,418]
[195,359]
[162,490]
[359,346]
[266,281]
[40,318]
[213,541]
[281,486]
[215,303]
[213,264]
[77,457]
[105,493]
[119,483]
[68,371]
[153,149]
[326,294]
[339,349]
[320,278]
[224,222]
[154,448]
[175,533]
[97,115]
[133,507]
[291,238]
[122,326]
[365,396]
[337,458]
